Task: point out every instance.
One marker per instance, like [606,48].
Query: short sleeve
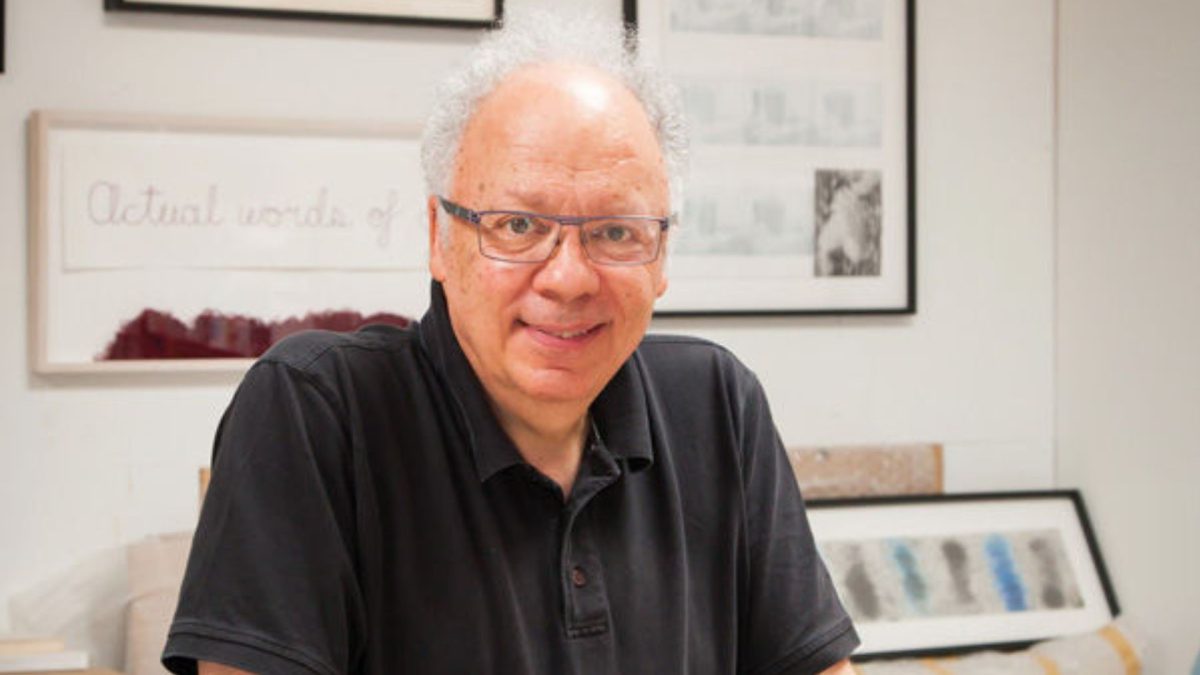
[792,619]
[270,584]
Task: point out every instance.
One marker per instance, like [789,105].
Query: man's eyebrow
[530,200]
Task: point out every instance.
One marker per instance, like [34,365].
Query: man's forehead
[552,130]
[580,79]
[562,93]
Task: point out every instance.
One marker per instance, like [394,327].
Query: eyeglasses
[523,237]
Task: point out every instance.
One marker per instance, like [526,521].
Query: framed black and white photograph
[799,197]
[924,575]
[465,13]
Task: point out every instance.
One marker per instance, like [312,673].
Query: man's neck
[551,438]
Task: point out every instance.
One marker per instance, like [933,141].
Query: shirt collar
[619,412]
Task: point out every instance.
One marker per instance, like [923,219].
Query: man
[520,483]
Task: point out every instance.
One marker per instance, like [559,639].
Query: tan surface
[867,470]
[89,671]
[205,476]
[156,567]
[20,645]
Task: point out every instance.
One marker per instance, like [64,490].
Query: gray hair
[544,36]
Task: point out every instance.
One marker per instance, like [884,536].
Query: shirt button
[579,577]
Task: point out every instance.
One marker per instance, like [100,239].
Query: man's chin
[555,387]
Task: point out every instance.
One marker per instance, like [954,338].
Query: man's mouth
[574,333]
[567,335]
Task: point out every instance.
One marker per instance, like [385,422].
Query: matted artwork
[467,13]
[172,243]
[927,575]
[800,193]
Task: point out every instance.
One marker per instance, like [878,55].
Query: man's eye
[615,233]
[518,225]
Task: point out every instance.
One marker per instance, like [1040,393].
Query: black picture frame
[269,10]
[1102,598]
[2,15]
[635,11]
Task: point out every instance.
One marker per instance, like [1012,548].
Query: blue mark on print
[915,588]
[1004,572]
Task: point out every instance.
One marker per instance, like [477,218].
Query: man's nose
[569,273]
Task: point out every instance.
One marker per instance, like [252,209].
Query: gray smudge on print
[956,559]
[1052,593]
[858,582]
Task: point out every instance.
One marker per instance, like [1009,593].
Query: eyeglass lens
[519,237]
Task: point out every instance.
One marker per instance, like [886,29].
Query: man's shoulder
[683,350]
[686,358]
[316,351]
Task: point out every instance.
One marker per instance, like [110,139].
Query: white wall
[1128,329]
[90,464]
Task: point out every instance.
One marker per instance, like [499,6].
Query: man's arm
[794,617]
[278,500]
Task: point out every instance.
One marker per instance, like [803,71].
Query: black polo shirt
[367,514]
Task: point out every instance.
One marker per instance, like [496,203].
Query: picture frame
[945,574]
[182,244]
[456,14]
[800,197]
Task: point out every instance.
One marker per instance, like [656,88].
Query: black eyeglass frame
[476,218]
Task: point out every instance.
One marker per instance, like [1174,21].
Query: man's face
[555,139]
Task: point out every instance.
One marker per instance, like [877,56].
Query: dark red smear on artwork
[155,334]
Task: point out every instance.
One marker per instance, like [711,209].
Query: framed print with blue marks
[941,574]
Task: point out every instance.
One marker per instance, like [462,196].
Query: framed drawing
[174,243]
[949,573]
[800,194]
[464,13]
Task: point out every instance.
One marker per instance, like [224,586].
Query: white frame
[973,514]
[43,123]
[464,13]
[767,282]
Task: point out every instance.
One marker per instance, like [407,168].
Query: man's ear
[437,267]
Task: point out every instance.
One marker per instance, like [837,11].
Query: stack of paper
[33,654]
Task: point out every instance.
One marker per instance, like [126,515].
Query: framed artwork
[800,192]
[180,244]
[463,13]
[926,575]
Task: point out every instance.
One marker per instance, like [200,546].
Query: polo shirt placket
[585,600]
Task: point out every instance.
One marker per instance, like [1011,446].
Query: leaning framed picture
[466,13]
[800,192]
[949,573]
[163,243]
